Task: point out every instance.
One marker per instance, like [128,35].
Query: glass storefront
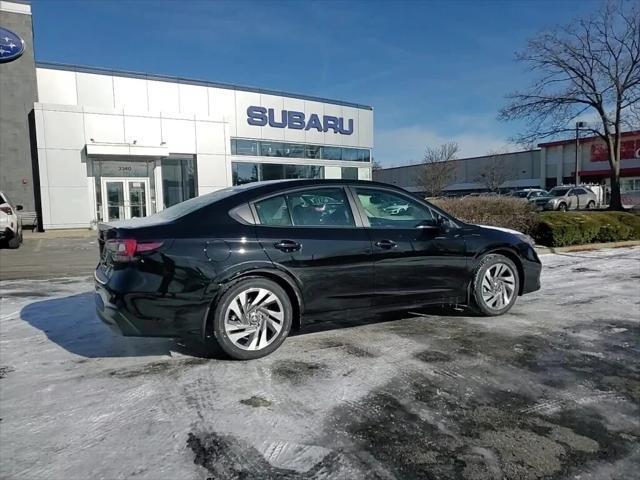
[124,186]
[247,172]
[179,180]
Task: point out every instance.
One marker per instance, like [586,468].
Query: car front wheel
[562,207]
[252,318]
[495,285]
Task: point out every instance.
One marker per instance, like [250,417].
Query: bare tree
[494,172]
[375,165]
[438,167]
[590,65]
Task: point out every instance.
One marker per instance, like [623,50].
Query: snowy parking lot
[551,389]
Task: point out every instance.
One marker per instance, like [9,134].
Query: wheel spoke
[236,308]
[275,326]
[235,336]
[486,283]
[253,340]
[263,336]
[279,316]
[259,297]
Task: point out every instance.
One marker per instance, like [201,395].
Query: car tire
[264,317]
[591,205]
[562,207]
[496,284]
[15,241]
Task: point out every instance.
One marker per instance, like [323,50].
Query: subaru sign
[11,46]
[261,117]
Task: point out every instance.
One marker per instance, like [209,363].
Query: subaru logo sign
[261,116]
[11,46]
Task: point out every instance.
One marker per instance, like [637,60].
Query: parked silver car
[529,194]
[567,198]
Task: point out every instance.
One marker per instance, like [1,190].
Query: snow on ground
[552,388]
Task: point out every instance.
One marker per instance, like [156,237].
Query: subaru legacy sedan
[244,265]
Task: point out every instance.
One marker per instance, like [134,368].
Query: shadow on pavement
[339,320]
[71,323]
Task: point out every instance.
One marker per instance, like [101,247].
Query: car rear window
[183,208]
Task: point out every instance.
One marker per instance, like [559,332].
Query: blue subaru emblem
[11,45]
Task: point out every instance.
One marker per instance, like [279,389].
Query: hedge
[552,229]
[559,229]
[503,212]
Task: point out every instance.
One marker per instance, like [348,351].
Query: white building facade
[116,145]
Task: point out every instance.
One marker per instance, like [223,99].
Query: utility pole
[579,125]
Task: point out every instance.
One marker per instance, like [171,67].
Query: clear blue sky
[433,70]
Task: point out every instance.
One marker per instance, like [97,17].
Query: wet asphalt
[550,390]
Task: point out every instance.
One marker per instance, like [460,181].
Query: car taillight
[6,210]
[128,249]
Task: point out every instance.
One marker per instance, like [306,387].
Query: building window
[350,173]
[246,172]
[312,151]
[254,148]
[303,171]
[272,149]
[179,180]
[240,146]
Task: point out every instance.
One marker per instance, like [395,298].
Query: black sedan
[244,264]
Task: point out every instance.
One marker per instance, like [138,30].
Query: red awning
[624,172]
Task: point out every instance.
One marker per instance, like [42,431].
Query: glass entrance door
[125,198]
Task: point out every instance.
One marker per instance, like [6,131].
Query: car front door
[313,234]
[417,259]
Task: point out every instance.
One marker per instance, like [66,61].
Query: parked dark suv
[244,264]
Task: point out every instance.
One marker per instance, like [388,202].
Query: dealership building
[82,145]
[552,164]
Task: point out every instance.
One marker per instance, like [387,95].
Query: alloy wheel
[498,286]
[254,318]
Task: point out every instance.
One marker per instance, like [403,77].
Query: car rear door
[413,265]
[313,234]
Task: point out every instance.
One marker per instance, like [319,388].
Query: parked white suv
[10,224]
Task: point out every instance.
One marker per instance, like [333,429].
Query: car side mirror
[19,207]
[432,224]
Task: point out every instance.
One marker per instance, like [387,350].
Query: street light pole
[579,125]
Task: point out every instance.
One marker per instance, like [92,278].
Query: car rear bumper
[146,313]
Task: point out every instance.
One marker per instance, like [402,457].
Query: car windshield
[558,192]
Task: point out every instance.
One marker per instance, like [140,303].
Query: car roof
[269,186]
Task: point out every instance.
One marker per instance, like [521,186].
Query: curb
[67,233]
[541,250]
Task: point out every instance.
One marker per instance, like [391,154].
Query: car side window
[274,212]
[390,210]
[323,207]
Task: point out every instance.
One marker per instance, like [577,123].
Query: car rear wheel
[15,241]
[495,285]
[591,205]
[252,318]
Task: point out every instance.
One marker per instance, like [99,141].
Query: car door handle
[386,244]
[287,246]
